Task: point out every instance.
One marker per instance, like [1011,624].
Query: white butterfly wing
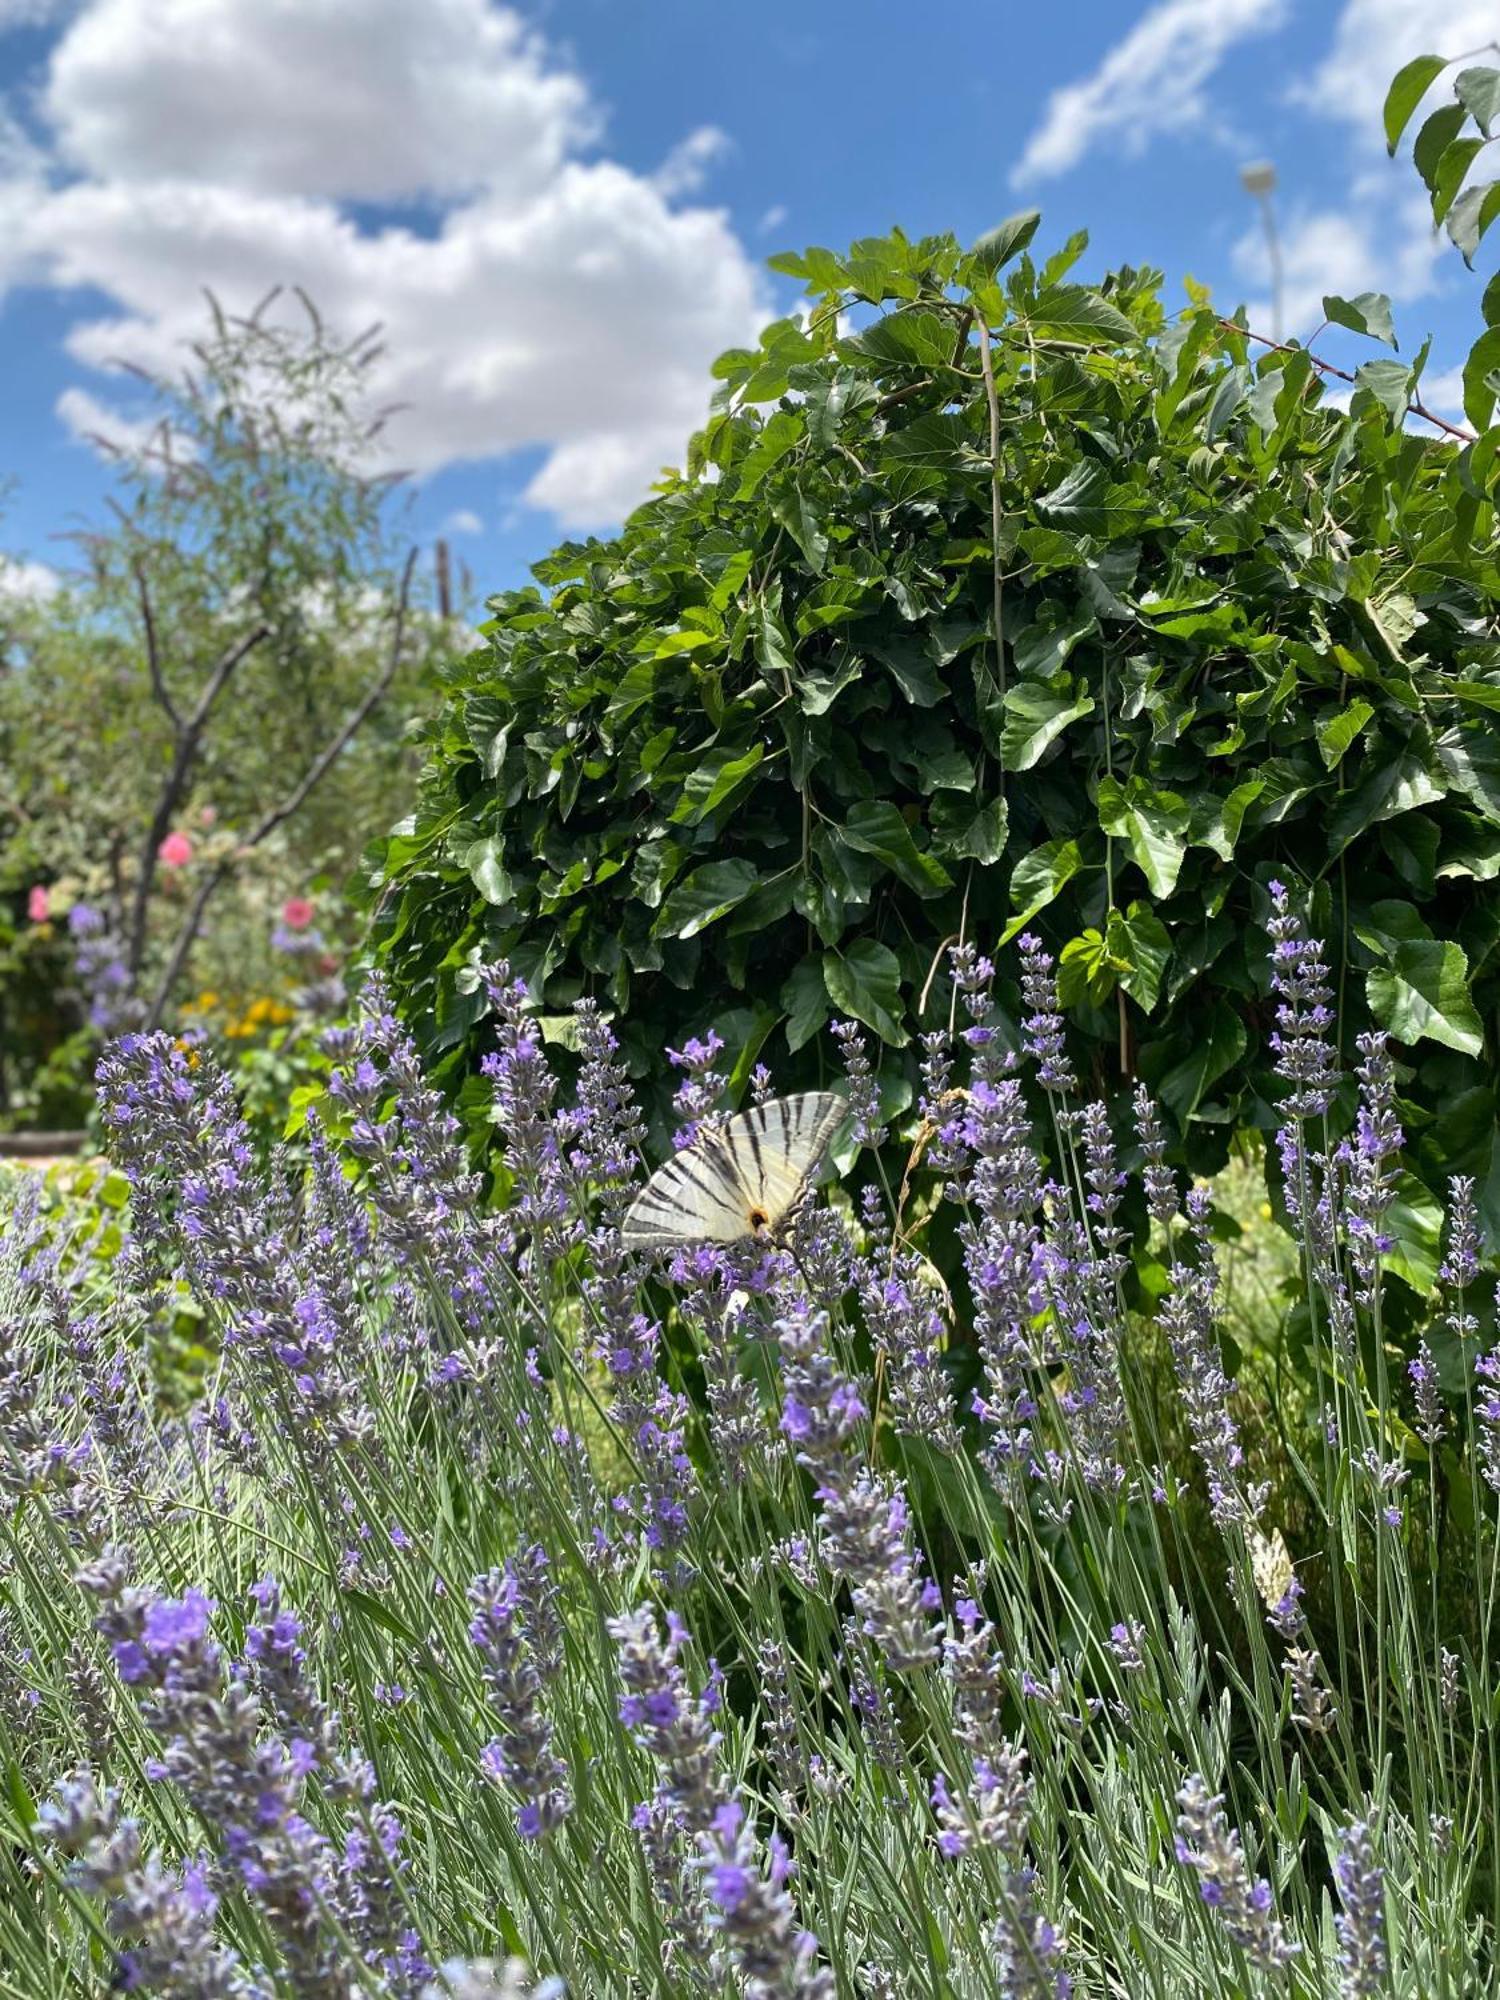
[694,1198]
[777,1147]
[752,1170]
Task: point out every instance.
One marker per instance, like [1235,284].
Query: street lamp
[1258,179]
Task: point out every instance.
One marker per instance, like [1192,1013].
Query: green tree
[755,761]
[244,635]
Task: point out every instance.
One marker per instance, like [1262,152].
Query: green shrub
[751,763]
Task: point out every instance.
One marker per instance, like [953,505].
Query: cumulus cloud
[463,521]
[27,582]
[1372,39]
[1385,245]
[102,425]
[1150,83]
[535,297]
[1379,237]
[386,100]
[687,166]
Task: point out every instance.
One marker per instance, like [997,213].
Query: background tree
[1012,603]
[236,632]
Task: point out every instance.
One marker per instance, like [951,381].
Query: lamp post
[1258,179]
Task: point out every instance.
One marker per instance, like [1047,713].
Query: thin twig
[153,651]
[184,754]
[997,512]
[292,803]
[1414,407]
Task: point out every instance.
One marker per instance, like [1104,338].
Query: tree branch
[1415,408]
[184,754]
[153,651]
[292,803]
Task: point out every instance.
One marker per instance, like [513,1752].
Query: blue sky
[562,211]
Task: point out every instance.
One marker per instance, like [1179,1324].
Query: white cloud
[463,521]
[773,218]
[550,300]
[1379,237]
[27,582]
[101,425]
[1373,39]
[1371,246]
[686,167]
[1444,393]
[367,99]
[1150,83]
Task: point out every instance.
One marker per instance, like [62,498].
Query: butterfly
[1271,1566]
[744,1178]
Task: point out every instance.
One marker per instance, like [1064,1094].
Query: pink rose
[176,851]
[296,913]
[38,907]
[207,815]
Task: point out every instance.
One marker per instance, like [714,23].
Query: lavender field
[666,1624]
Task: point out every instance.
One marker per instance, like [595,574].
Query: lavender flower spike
[1211,1849]
[519,1657]
[1042,1029]
[1361,1921]
[1305,1058]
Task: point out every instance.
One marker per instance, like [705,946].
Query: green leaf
[1389,382]
[701,898]
[379,1614]
[911,335]
[1480,371]
[1408,88]
[1036,714]
[1037,880]
[1216,822]
[1391,783]
[1140,939]
[1045,645]
[1086,970]
[486,869]
[875,826]
[937,439]
[910,667]
[1471,216]
[865,981]
[1434,138]
[1337,732]
[1156,825]
[21,1801]
[1470,759]
[974,835]
[1073,312]
[1415,1220]
[1215,1045]
[707,787]
[804,1000]
[777,437]
[795,512]
[1007,239]
[1450,174]
[1369,313]
[1424,994]
[1079,492]
[1478,91]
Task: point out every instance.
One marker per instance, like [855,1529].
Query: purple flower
[1305,1058]
[516,1631]
[1042,1035]
[1361,1919]
[1208,1846]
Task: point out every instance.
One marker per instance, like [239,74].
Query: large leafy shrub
[751,763]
